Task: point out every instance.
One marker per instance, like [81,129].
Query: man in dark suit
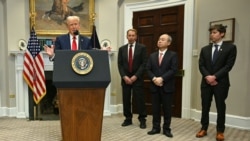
[72,40]
[132,59]
[67,41]
[215,62]
[64,42]
[162,67]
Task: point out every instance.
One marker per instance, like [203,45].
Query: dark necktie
[130,58]
[74,45]
[215,55]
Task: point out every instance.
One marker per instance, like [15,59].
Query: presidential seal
[82,63]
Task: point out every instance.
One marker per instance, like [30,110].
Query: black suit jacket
[223,64]
[166,70]
[139,62]
[63,43]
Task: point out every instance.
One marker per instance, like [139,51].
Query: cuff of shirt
[52,58]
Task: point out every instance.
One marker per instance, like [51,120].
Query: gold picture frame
[230,23]
[48,16]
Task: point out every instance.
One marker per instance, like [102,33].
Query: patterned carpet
[12,129]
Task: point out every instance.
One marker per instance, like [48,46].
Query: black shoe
[143,125]
[126,123]
[168,133]
[154,131]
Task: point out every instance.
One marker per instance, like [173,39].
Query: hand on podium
[106,48]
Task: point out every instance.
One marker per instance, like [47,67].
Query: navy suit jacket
[166,70]
[63,43]
[223,64]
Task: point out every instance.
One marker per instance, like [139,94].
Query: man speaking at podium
[74,99]
[71,41]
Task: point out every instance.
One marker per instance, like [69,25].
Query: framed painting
[229,23]
[48,16]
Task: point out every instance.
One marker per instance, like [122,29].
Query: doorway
[150,25]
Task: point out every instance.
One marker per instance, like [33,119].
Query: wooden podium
[81,96]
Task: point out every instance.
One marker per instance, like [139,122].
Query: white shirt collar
[71,37]
[219,43]
[131,44]
[164,51]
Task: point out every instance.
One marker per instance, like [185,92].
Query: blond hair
[69,18]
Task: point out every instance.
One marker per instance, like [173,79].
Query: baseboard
[231,120]
[106,113]
[12,112]
[116,109]
[9,112]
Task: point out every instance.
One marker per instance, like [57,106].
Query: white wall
[2,57]
[17,27]
[107,27]
[213,10]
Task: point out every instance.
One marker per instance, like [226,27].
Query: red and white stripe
[34,76]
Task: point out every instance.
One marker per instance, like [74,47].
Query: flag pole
[33,71]
[32,14]
[93,18]
[34,112]
[93,29]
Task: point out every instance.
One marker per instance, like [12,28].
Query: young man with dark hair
[215,62]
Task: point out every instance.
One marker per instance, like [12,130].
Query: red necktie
[130,58]
[74,45]
[160,58]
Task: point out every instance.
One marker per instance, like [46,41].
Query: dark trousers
[138,96]
[220,94]
[161,100]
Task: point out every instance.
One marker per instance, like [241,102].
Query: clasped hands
[158,81]
[211,80]
[129,80]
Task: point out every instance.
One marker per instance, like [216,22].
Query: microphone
[76,32]
[80,43]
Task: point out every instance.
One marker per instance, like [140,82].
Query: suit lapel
[68,42]
[80,42]
[136,50]
[222,47]
[164,57]
[157,58]
[126,51]
[210,51]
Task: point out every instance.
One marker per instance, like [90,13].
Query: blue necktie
[215,55]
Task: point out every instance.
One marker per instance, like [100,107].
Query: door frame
[187,43]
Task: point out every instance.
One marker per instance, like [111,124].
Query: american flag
[33,71]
